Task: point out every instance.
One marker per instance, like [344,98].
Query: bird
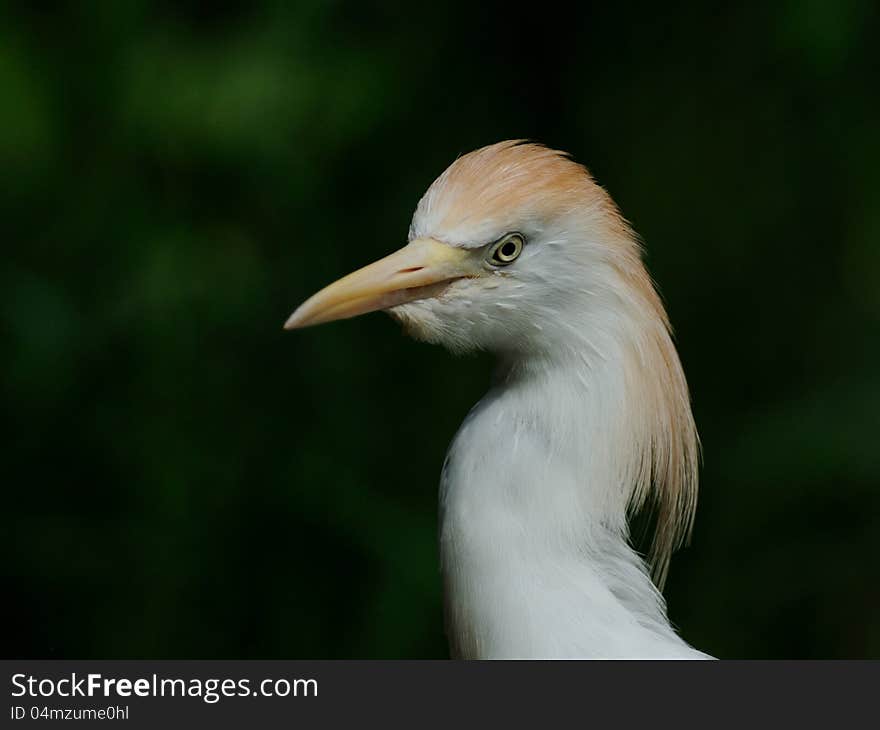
[515,249]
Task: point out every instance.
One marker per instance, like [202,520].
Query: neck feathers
[665,452]
[657,437]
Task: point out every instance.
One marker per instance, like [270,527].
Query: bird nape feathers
[516,250]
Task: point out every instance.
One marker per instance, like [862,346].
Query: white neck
[534,546]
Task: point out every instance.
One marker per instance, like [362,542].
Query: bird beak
[419,270]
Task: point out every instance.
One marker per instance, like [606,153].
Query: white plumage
[514,249]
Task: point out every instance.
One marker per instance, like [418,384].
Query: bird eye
[507,250]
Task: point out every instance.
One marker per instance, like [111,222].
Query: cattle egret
[516,250]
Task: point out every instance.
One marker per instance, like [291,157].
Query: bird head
[515,249]
[507,241]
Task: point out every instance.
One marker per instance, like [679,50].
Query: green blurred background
[183,479]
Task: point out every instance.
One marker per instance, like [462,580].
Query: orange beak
[419,270]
